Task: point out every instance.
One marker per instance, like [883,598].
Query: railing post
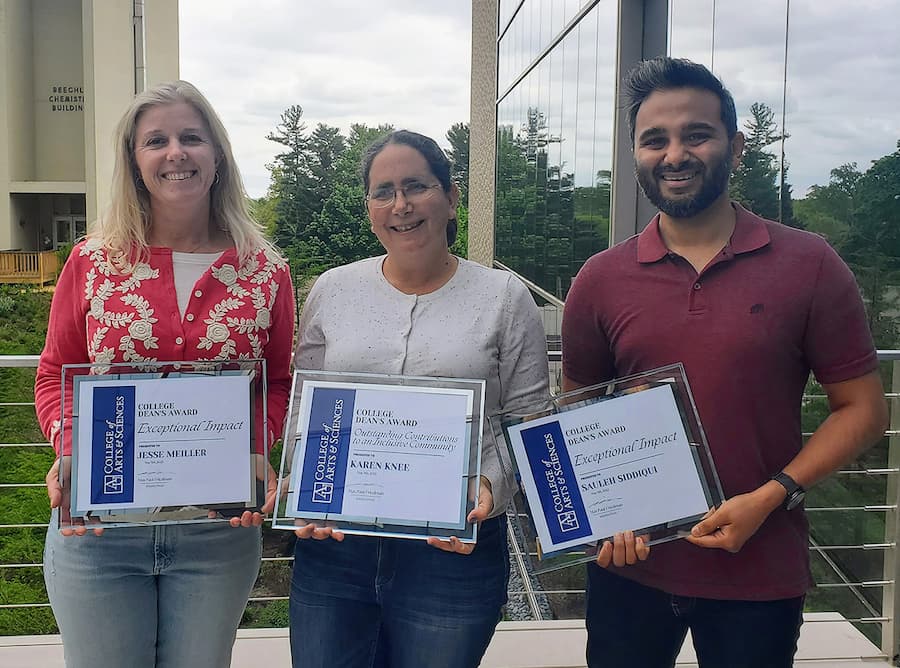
[890,633]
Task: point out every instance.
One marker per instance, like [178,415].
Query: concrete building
[68,69]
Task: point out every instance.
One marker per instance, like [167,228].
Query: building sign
[66,98]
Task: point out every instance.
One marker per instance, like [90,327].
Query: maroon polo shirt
[774,304]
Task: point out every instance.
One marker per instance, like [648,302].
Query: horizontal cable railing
[533,592]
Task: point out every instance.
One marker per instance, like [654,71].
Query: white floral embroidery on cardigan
[127,335]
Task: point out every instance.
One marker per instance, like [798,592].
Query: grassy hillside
[23,326]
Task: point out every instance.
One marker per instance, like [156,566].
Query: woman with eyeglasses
[359,601]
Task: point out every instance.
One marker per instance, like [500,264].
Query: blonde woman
[164,275]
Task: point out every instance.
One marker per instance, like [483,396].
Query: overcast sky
[403,62]
[407,62]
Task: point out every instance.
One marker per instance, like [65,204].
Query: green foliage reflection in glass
[546,226]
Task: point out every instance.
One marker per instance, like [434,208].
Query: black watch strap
[795,492]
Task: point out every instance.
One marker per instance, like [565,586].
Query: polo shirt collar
[750,234]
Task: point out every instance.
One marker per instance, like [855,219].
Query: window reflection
[507,8]
[554,147]
[817,86]
[820,120]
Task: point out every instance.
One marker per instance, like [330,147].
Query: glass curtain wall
[554,136]
[817,87]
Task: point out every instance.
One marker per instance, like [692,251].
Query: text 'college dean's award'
[611,464]
[385,455]
[145,443]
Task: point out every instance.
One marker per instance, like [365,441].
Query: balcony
[850,617]
[33,267]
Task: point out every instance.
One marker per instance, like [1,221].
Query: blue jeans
[631,625]
[391,602]
[143,597]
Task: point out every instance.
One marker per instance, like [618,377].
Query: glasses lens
[412,192]
[417,192]
[381,198]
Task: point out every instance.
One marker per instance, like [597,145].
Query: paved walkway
[826,641]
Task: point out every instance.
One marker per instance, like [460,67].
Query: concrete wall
[16,125]
[67,73]
[58,107]
[160,41]
[109,66]
[19,87]
[109,87]
[23,208]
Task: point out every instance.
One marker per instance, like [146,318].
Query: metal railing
[857,569]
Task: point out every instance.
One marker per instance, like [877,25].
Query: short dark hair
[437,160]
[663,73]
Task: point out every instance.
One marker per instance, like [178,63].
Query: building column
[108,39]
[483,131]
[642,33]
[160,41]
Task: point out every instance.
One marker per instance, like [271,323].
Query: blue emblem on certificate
[624,455]
[382,455]
[112,463]
[327,451]
[172,442]
[555,482]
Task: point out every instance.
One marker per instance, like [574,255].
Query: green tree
[336,230]
[291,187]
[324,150]
[872,245]
[315,207]
[859,213]
[758,183]
[264,211]
[754,181]
[458,136]
[828,210]
[461,246]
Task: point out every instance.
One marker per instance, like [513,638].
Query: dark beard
[715,182]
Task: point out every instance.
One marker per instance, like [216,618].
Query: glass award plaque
[629,454]
[381,455]
[162,442]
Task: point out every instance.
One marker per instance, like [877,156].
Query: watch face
[795,499]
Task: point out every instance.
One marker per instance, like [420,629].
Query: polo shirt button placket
[696,298]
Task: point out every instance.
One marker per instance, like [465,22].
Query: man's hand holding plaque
[621,466]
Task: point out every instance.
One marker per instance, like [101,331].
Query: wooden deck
[31,267]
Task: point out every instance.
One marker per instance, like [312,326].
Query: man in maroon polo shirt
[749,307]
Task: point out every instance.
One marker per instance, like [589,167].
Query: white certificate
[613,465]
[382,454]
[151,442]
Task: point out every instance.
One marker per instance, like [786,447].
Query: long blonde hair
[123,228]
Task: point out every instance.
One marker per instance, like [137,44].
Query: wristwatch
[795,493]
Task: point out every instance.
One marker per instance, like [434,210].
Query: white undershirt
[187,269]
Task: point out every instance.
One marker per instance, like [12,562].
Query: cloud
[407,63]
[403,63]
[843,74]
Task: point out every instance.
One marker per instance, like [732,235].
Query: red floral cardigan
[101,316]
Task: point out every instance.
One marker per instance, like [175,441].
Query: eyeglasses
[414,193]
